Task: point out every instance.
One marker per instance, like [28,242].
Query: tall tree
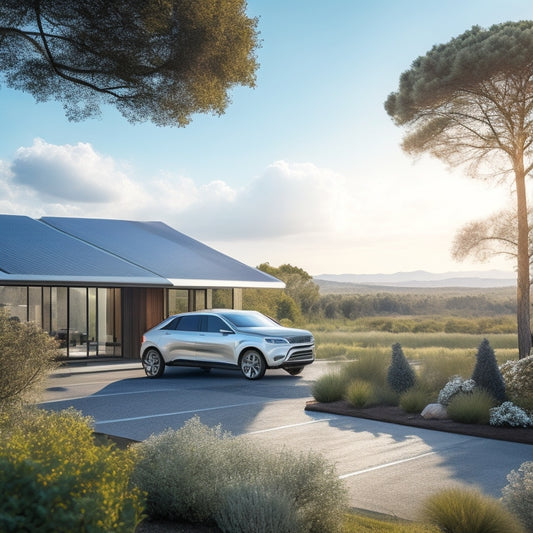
[157,60]
[470,103]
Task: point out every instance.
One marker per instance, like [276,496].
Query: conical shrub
[487,374]
[400,375]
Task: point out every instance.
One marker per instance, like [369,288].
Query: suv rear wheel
[153,363]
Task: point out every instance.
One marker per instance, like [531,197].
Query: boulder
[435,411]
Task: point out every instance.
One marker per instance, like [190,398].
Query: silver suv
[226,338]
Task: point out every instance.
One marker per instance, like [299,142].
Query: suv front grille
[300,339]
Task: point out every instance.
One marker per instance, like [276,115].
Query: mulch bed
[396,415]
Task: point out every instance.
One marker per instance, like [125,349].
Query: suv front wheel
[252,365]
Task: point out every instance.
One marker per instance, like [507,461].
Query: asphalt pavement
[387,468]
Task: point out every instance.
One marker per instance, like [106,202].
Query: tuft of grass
[469,511]
[370,366]
[359,393]
[471,408]
[329,387]
[414,400]
[359,522]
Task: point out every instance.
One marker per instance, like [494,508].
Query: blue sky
[305,169]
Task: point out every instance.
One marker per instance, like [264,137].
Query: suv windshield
[249,320]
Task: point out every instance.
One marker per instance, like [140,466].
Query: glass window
[35,305]
[213,324]
[222,298]
[178,301]
[77,327]
[189,323]
[172,324]
[109,322]
[14,302]
[59,316]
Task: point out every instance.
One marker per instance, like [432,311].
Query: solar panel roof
[115,252]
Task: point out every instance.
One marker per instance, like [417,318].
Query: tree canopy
[157,60]
[470,102]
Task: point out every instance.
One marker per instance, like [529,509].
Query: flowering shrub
[455,386]
[509,414]
[518,376]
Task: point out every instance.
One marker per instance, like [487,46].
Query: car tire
[252,365]
[294,370]
[153,363]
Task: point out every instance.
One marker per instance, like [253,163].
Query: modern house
[97,285]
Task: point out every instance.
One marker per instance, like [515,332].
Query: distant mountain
[423,279]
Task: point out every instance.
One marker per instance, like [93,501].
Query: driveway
[387,468]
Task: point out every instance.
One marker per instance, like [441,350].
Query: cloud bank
[290,212]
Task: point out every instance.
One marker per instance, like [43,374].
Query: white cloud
[396,216]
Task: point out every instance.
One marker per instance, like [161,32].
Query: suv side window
[172,324]
[189,323]
[213,324]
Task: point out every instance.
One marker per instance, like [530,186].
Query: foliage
[424,311]
[508,414]
[518,378]
[359,393]
[51,460]
[193,472]
[486,373]
[468,511]
[400,375]
[517,495]
[436,369]
[298,297]
[249,507]
[299,285]
[471,408]
[27,355]
[329,387]
[414,400]
[455,386]
[153,60]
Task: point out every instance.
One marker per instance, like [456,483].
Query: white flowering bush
[453,387]
[509,414]
[518,377]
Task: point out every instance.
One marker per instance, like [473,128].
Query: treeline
[382,304]
[301,301]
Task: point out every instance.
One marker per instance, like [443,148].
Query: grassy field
[340,341]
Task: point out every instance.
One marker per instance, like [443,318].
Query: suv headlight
[276,340]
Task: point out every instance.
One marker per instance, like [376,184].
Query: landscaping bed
[396,415]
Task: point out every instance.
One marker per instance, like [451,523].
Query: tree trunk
[523,279]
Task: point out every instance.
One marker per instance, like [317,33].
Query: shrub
[508,414]
[468,511]
[192,473]
[249,507]
[359,392]
[414,400]
[28,355]
[52,465]
[329,387]
[455,386]
[400,375]
[518,377]
[486,373]
[517,495]
[471,408]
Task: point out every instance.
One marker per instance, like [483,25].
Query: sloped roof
[55,250]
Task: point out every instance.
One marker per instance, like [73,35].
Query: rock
[435,411]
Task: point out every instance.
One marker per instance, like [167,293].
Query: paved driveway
[387,468]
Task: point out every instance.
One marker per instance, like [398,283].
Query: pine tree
[487,374]
[400,375]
